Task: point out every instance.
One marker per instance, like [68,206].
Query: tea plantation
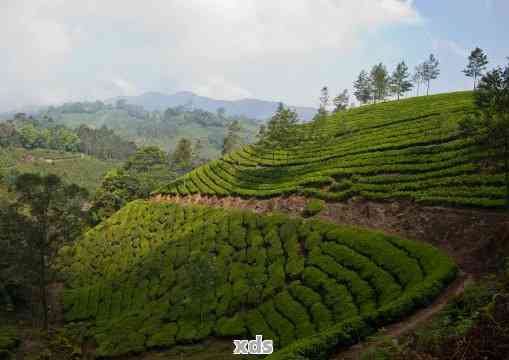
[84,171]
[155,275]
[410,149]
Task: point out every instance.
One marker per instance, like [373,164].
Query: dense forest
[33,133]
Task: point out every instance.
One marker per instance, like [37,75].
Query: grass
[158,275]
[82,170]
[410,149]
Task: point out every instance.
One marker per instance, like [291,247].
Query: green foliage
[280,127]
[381,82]
[477,61]
[313,207]
[140,175]
[183,154]
[9,341]
[363,87]
[232,139]
[409,149]
[158,275]
[163,129]
[399,82]
[44,133]
[81,170]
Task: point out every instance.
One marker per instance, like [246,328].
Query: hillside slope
[159,274]
[85,171]
[159,131]
[410,149]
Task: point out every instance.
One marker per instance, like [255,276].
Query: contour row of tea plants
[410,149]
[155,275]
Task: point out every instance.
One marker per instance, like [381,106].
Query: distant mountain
[251,108]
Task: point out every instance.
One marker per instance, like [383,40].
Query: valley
[153,207]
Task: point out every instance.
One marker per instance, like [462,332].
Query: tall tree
[262,133]
[182,154]
[197,154]
[280,125]
[324,101]
[280,129]
[431,71]
[492,97]
[363,88]
[477,62]
[417,77]
[491,127]
[232,139]
[381,81]
[43,202]
[341,101]
[400,83]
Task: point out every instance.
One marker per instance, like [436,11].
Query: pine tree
[399,80]
[262,133]
[280,125]
[44,205]
[341,101]
[280,128]
[492,97]
[431,71]
[363,88]
[232,139]
[380,80]
[417,77]
[324,101]
[477,62]
[183,154]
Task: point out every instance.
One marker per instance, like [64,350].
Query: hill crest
[251,108]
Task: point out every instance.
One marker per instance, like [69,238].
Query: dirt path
[411,323]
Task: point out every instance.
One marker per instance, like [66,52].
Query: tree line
[379,84]
[31,133]
[489,125]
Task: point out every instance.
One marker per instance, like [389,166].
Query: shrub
[313,207]
[231,326]
[142,284]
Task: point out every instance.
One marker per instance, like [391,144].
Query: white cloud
[220,88]
[54,47]
[449,46]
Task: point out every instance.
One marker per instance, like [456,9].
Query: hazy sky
[59,50]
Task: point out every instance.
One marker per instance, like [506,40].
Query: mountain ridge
[249,107]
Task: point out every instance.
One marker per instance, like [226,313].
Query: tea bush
[410,149]
[158,274]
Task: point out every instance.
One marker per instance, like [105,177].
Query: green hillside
[409,149]
[157,274]
[85,171]
[161,129]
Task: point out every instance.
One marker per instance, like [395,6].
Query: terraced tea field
[409,149]
[155,275]
[85,171]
